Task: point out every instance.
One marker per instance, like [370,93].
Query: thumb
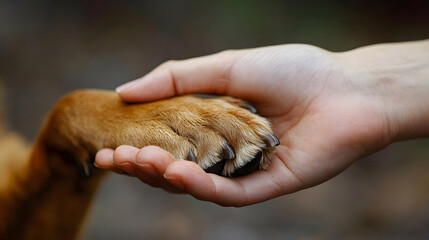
[208,74]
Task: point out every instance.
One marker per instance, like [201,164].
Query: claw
[228,152]
[217,168]
[206,96]
[86,168]
[271,140]
[249,107]
[191,156]
[249,167]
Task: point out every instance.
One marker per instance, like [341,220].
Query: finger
[155,157]
[208,74]
[104,160]
[118,160]
[151,162]
[123,158]
[192,179]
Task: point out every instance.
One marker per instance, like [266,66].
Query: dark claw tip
[85,166]
[206,96]
[249,107]
[87,170]
[271,140]
[217,168]
[228,152]
[191,156]
[248,167]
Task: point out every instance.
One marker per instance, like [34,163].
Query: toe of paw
[217,168]
[249,167]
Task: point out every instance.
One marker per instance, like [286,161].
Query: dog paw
[223,135]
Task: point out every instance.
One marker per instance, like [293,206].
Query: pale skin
[328,111]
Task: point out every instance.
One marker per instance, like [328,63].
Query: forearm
[399,74]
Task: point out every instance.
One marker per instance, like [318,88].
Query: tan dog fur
[44,193]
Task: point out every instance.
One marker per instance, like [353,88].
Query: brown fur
[44,192]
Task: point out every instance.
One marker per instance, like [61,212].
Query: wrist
[398,75]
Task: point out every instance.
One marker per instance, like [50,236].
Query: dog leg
[47,195]
[43,194]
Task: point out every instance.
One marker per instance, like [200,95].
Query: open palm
[322,112]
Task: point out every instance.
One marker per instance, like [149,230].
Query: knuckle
[168,64]
[225,61]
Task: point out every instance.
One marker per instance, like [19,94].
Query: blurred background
[50,47]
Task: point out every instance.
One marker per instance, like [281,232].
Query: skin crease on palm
[326,112]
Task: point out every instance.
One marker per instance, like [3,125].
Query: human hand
[325,111]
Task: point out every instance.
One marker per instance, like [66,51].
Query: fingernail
[147,169]
[95,165]
[175,182]
[127,85]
